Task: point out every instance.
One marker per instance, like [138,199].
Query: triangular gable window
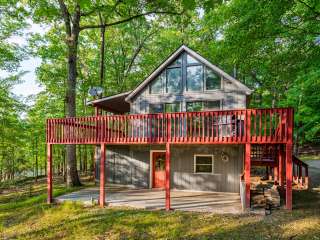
[185,73]
[177,62]
[191,60]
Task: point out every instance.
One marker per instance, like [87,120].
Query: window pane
[213,80]
[204,160]
[172,107]
[203,168]
[155,108]
[176,62]
[174,80]
[194,106]
[212,105]
[191,60]
[156,85]
[194,78]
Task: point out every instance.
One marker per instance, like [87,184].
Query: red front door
[159,172]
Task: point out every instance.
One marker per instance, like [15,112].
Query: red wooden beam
[49,173]
[102,194]
[247,168]
[168,155]
[281,172]
[276,174]
[306,177]
[289,176]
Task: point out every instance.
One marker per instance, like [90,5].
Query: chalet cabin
[186,126]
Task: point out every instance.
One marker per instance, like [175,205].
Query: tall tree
[82,15]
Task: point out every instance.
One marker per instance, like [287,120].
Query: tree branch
[128,19]
[313,9]
[136,53]
[99,8]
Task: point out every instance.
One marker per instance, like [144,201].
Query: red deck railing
[228,126]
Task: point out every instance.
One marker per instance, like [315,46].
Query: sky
[29,83]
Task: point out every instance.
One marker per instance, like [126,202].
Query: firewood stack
[263,194]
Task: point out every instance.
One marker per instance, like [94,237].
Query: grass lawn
[25,215]
[309,157]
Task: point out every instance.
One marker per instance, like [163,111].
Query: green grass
[25,215]
[309,157]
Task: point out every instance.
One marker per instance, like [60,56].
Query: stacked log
[264,194]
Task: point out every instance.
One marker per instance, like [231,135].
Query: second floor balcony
[220,127]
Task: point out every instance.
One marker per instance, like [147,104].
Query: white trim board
[203,155]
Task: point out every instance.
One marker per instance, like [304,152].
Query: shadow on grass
[72,220]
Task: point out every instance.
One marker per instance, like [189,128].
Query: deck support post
[306,177]
[102,193]
[247,169]
[276,175]
[167,164]
[300,175]
[281,172]
[289,176]
[49,173]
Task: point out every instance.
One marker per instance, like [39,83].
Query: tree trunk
[37,150]
[102,50]
[85,159]
[72,173]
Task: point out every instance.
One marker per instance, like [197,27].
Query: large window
[172,107]
[200,106]
[213,80]
[212,105]
[156,86]
[195,78]
[194,106]
[203,164]
[174,80]
[167,107]
[185,73]
[155,108]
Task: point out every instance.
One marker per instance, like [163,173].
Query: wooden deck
[218,127]
[248,127]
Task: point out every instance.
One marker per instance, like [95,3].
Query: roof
[197,56]
[115,103]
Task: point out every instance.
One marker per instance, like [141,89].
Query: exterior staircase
[268,155]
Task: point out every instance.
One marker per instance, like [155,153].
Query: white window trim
[202,155]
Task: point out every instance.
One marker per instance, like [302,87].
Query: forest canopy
[271,46]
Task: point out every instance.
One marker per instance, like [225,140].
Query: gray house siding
[229,100]
[130,165]
[225,177]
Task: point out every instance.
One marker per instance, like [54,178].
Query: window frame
[163,78]
[176,102]
[204,108]
[206,102]
[205,67]
[202,76]
[195,101]
[195,163]
[160,104]
[181,79]
[183,67]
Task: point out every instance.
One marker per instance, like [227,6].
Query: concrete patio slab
[153,199]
